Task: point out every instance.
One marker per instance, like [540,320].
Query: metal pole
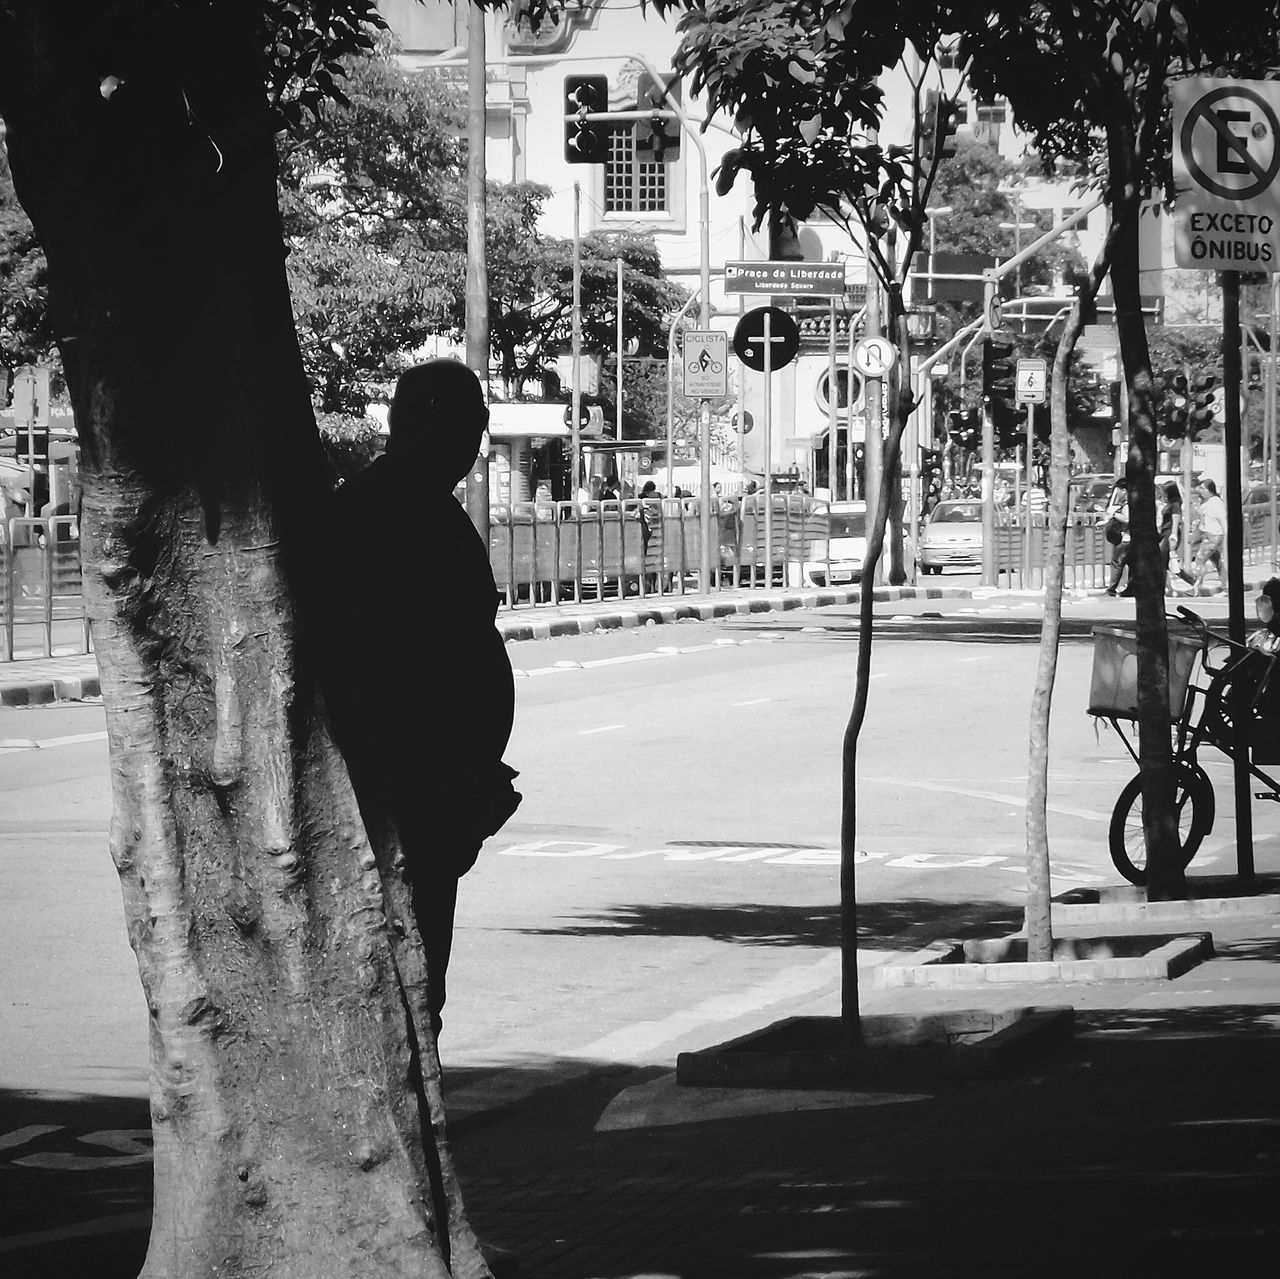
[618,396]
[833,407]
[850,470]
[477,289]
[1233,558]
[768,447]
[575,407]
[873,445]
[1026,535]
[1271,414]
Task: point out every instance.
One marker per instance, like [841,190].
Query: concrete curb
[945,965]
[40,692]
[640,613]
[805,1052]
[1068,915]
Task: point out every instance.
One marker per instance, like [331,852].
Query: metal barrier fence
[1087,554]
[40,581]
[550,552]
[544,553]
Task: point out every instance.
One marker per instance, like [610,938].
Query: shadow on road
[908,923]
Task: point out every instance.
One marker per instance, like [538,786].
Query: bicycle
[1241,682]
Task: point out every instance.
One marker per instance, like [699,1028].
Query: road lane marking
[642,1038]
[11,746]
[995,797]
[604,728]
[755,701]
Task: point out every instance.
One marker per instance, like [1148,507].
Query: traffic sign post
[1226,161]
[765,339]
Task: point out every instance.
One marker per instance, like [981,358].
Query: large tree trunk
[294,1084]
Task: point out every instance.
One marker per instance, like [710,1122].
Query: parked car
[952,536]
[1089,494]
[845,547]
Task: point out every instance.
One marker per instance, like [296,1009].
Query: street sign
[1030,381]
[825,279]
[705,360]
[749,339]
[874,356]
[1226,159]
[31,396]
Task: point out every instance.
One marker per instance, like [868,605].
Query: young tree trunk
[851,1028]
[1165,878]
[295,1091]
[1038,919]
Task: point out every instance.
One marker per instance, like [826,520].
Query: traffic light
[585,142]
[938,126]
[658,139]
[998,370]
[965,428]
[1203,394]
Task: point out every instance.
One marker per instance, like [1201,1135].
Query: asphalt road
[671,878]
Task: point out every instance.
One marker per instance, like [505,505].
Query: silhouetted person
[431,727]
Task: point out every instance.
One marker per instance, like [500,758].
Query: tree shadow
[908,923]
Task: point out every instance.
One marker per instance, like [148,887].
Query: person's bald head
[437,418]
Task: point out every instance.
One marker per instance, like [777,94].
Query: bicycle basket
[1113,691]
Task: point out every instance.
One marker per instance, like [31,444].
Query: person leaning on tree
[430,732]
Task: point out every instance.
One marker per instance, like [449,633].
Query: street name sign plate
[1030,381]
[1226,159]
[824,279]
[705,360]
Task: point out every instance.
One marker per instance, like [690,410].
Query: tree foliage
[26,333]
[372,198]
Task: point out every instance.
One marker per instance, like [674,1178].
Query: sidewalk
[1148,1145]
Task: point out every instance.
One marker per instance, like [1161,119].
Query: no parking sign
[1226,159]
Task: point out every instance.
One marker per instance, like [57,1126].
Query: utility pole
[477,319]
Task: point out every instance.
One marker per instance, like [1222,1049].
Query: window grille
[632,184]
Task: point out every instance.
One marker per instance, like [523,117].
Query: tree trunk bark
[1165,877]
[295,1092]
[1038,918]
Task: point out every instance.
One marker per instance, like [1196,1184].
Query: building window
[633,183]
[992,112]
[948,55]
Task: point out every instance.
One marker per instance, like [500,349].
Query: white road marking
[12,745]
[1017,801]
[643,1037]
[604,728]
[755,701]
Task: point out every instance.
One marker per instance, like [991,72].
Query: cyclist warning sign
[706,364]
[1226,159]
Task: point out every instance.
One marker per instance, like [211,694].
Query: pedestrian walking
[425,755]
[1213,529]
[1117,533]
[1171,534]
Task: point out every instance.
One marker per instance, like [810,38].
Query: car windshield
[848,523]
[957,513]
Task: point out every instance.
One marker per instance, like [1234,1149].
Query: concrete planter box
[1124,957]
[1211,897]
[807,1052]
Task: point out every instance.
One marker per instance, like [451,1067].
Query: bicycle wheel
[1194,809]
